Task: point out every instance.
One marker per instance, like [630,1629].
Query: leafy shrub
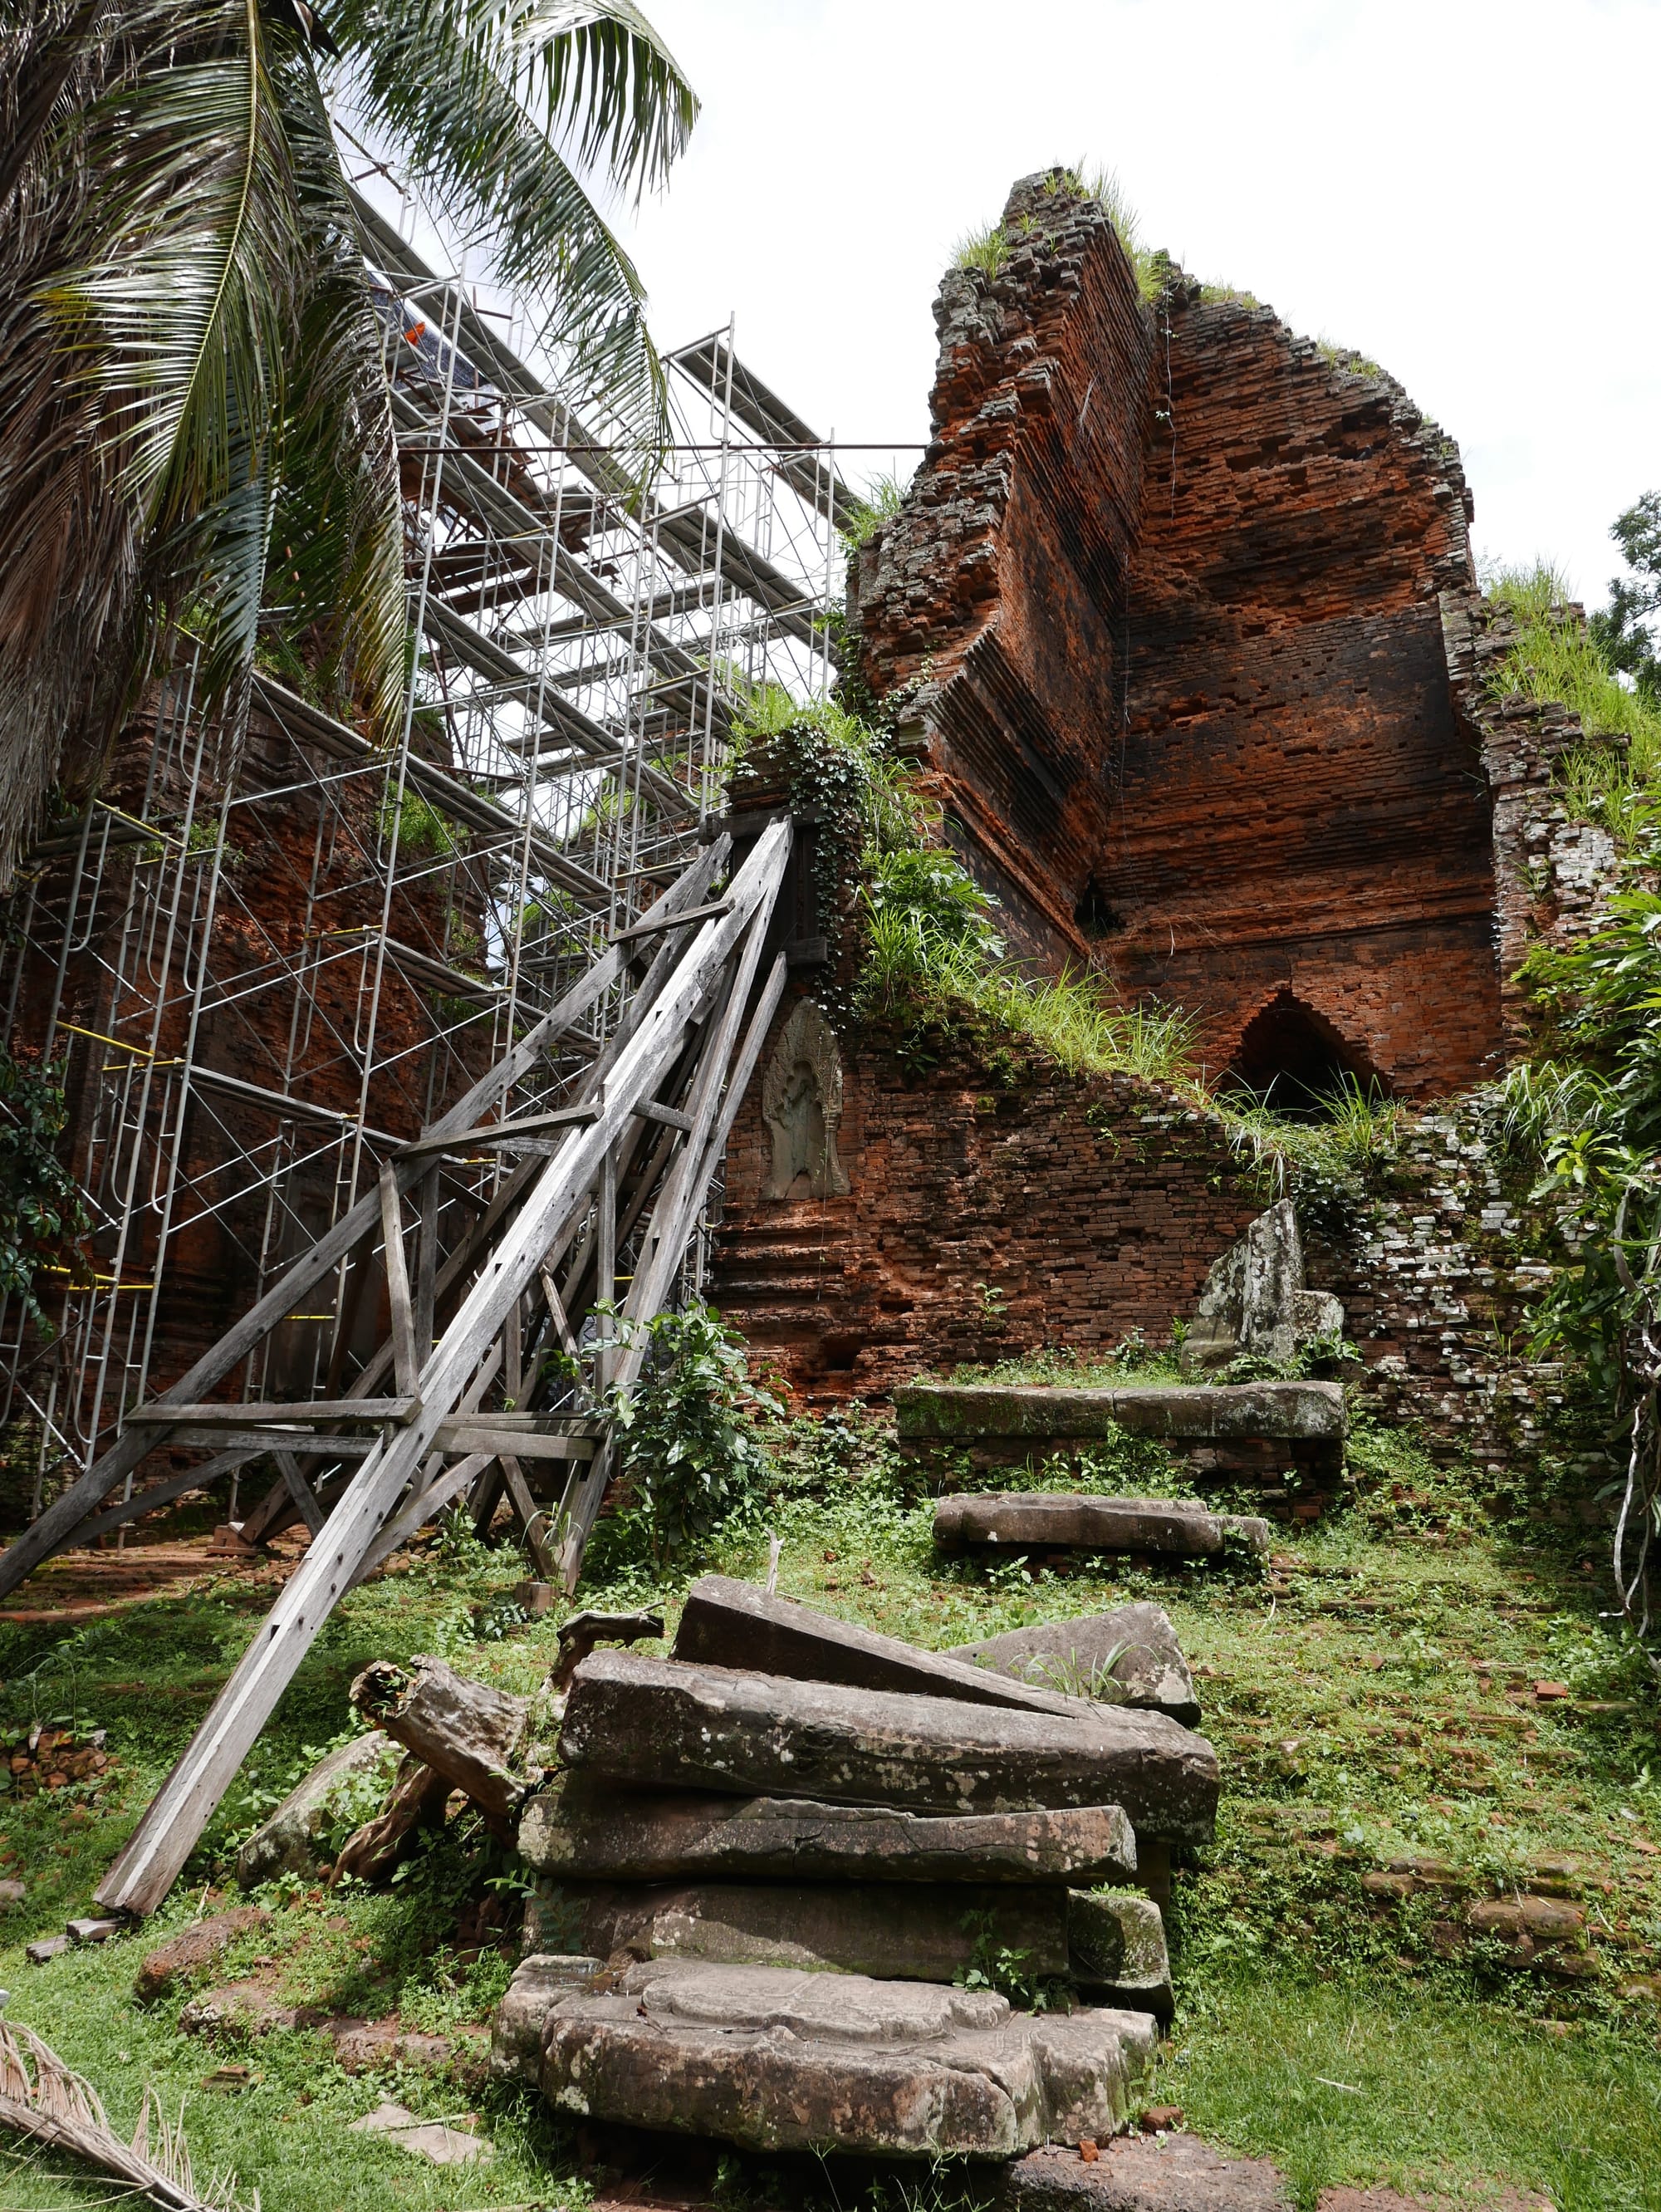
[39,1198]
[691,1452]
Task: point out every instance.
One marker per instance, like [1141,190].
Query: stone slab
[1129,1656]
[287,1842]
[1185,1413]
[1042,1519]
[732,1623]
[582,1828]
[777,2061]
[891,1931]
[1141,2173]
[655,1721]
[434,2140]
[516,2025]
[1117,1951]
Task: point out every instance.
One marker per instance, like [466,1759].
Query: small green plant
[416,827]
[882,502]
[995,1964]
[691,1452]
[986,250]
[40,1201]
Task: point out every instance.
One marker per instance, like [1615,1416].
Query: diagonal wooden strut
[62,1522]
[566,1186]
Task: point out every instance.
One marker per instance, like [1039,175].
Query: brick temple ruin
[1180,625]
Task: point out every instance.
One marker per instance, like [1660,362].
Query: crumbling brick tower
[1169,605]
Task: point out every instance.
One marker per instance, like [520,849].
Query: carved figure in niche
[802,1105]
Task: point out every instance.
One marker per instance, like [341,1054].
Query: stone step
[777,2061]
[1045,1520]
[582,1828]
[1131,1653]
[1189,1413]
[660,1722]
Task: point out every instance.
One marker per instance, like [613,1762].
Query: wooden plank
[163,1493]
[55,1529]
[483,1436]
[499,1133]
[529,1513]
[406,1364]
[671,1117]
[276,1438]
[650,925]
[299,1489]
[254,1413]
[165,1837]
[427,1263]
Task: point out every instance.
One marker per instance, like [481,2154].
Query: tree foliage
[39,1198]
[198,433]
[1625,628]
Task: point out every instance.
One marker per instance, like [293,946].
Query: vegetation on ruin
[1373,1701]
[1556,657]
[40,1201]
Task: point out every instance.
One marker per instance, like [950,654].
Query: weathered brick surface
[1166,608]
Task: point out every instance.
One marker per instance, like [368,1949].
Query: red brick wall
[1088,1208]
[1163,610]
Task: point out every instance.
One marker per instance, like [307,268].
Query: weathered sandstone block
[779,2060]
[1037,1520]
[1186,1413]
[734,1624]
[516,2026]
[288,1843]
[655,1721]
[1116,1945]
[894,1930]
[578,1828]
[1128,1656]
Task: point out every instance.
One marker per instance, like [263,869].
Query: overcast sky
[1464,191]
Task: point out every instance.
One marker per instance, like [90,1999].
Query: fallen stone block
[1128,1656]
[734,1624]
[435,2140]
[194,1947]
[464,1730]
[1044,1520]
[1184,1412]
[893,1931]
[1141,2173]
[777,2061]
[1117,1951]
[363,2046]
[290,1842]
[583,1828]
[655,1721]
[12,1894]
[516,2026]
[47,1948]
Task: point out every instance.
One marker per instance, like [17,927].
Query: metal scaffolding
[268,957]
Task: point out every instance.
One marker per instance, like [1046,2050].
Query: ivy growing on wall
[39,1198]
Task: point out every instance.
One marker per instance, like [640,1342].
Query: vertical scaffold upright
[266,958]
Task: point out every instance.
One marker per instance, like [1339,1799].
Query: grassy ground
[1373,1701]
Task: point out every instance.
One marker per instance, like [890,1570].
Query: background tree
[193,354]
[1625,629]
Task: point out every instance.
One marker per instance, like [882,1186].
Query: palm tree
[192,385]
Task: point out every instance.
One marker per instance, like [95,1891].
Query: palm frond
[43,2101]
[607,75]
[468,95]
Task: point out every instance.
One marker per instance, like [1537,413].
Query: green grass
[1556,658]
[1370,1701]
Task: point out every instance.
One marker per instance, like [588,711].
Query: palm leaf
[41,2099]
[480,97]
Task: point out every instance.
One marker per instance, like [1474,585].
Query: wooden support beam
[500,1133]
[406,1361]
[651,924]
[58,1526]
[165,1837]
[259,1413]
[301,1490]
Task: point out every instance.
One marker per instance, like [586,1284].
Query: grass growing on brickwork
[1555,658]
[1372,1701]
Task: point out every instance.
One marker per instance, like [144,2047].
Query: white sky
[1464,191]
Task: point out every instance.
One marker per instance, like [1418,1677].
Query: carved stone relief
[802,1105]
